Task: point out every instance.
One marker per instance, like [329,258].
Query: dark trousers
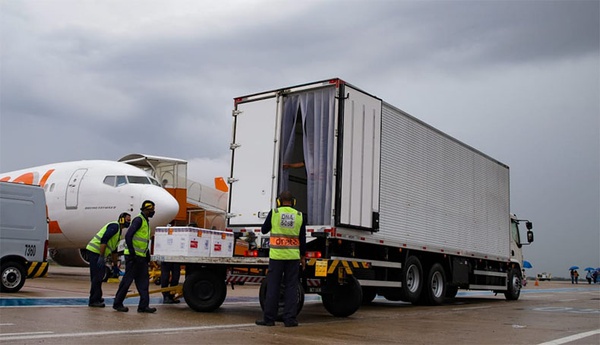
[96,277]
[136,269]
[170,273]
[285,271]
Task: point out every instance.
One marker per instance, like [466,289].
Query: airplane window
[110,180]
[138,179]
[154,182]
[121,180]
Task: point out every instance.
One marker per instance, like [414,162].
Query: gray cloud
[517,80]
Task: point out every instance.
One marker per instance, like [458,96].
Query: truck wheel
[412,280]
[203,290]
[368,294]
[13,276]
[514,286]
[262,297]
[345,300]
[435,286]
[451,291]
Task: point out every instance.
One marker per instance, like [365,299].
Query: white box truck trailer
[394,206]
[430,214]
[23,234]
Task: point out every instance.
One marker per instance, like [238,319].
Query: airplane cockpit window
[138,179]
[110,180]
[154,182]
[121,180]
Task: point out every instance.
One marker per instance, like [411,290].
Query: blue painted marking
[65,302]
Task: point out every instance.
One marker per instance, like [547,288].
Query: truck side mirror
[529,226]
[529,236]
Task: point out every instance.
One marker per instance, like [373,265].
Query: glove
[100,263]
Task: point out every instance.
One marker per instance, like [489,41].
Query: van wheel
[13,276]
[262,297]
[203,290]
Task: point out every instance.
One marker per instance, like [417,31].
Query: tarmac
[53,310]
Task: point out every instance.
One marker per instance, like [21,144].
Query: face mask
[126,224]
[151,214]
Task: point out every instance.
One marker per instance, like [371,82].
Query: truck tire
[434,290]
[13,276]
[412,280]
[345,300]
[204,291]
[368,294]
[514,286]
[262,297]
[451,291]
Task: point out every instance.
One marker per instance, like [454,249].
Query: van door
[72,196]
[253,161]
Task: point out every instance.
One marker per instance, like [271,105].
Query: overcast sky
[517,80]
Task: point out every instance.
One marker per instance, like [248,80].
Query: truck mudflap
[37,269]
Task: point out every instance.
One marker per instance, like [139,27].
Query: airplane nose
[166,205]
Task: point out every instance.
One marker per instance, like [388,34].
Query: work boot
[170,300]
[121,308]
[96,305]
[149,310]
[265,323]
[290,323]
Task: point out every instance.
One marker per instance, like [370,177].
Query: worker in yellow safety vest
[137,257]
[287,246]
[104,244]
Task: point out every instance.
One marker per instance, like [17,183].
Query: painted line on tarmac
[571,338]
[51,335]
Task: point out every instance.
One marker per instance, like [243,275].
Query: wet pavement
[54,310]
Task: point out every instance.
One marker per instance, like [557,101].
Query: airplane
[83,196]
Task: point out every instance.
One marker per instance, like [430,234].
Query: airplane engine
[72,257]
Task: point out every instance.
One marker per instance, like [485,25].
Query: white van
[23,232]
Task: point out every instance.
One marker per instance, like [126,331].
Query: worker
[137,257]
[287,248]
[104,244]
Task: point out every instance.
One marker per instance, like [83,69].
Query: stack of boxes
[190,241]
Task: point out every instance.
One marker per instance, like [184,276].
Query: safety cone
[537,283]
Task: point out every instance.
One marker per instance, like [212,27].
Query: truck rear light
[313,255]
[251,253]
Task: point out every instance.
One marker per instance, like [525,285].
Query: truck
[394,206]
[23,234]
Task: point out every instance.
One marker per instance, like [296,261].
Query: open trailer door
[253,158]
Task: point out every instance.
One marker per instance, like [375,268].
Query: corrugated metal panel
[436,191]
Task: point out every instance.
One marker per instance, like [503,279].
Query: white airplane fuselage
[83,196]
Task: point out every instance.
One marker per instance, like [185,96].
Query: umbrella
[574,268]
[527,264]
[589,269]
